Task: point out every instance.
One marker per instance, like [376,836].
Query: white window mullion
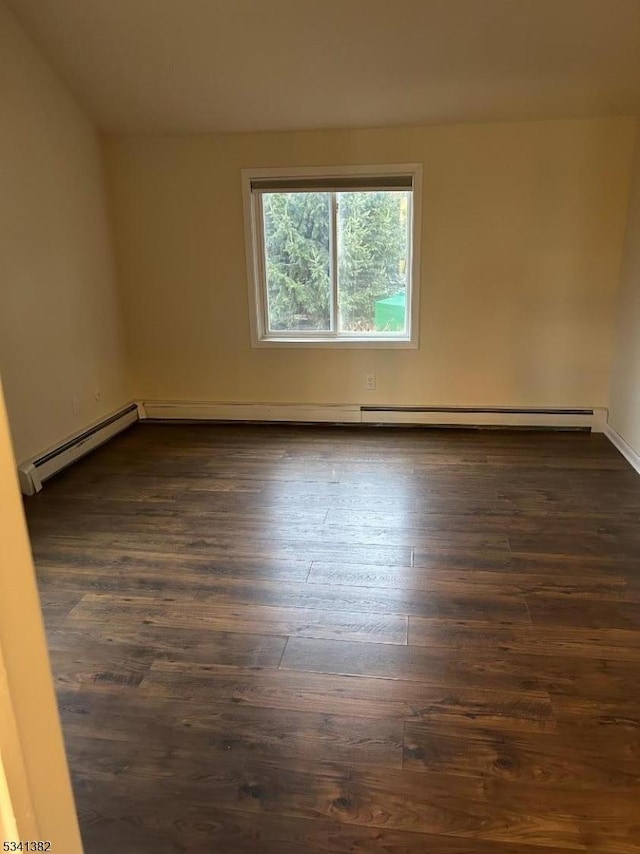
[261,262]
[335,308]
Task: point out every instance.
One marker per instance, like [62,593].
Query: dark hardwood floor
[296,639]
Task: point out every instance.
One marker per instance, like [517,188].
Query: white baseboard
[164,410]
[33,472]
[633,457]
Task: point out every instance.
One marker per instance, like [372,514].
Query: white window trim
[255,259]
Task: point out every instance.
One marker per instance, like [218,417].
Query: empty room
[320,426]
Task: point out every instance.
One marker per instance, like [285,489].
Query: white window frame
[256,274]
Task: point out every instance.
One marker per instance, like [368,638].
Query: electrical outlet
[370,382]
[75,404]
[97,394]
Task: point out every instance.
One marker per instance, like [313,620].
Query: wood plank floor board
[418,664]
[546,640]
[609,721]
[216,732]
[280,639]
[547,759]
[449,556]
[594,613]
[101,664]
[191,613]
[489,668]
[581,542]
[527,711]
[445,599]
[506,579]
[415,578]
[167,643]
[183,509]
[492,520]
[61,561]
[290,530]
[184,580]
[227,545]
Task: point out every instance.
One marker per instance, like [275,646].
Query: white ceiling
[178,66]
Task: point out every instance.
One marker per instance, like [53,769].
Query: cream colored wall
[31,744]
[60,326]
[523,227]
[624,414]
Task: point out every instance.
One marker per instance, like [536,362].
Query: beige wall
[31,744]
[60,328]
[624,415]
[523,227]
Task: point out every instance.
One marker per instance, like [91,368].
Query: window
[332,256]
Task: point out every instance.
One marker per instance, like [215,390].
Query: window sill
[344,343]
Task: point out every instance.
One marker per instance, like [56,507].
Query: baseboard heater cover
[487,416]
[446,416]
[34,472]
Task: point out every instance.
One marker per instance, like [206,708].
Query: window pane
[297,228]
[373,258]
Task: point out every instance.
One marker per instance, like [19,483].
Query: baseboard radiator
[34,472]
[491,416]
[437,416]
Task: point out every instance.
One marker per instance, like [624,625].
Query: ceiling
[177,66]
